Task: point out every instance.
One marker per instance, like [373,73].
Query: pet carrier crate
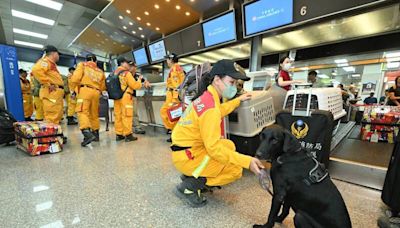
[327,99]
[253,115]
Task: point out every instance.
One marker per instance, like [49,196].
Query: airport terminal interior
[97,128]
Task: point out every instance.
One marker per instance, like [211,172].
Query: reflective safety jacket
[45,71]
[25,85]
[87,74]
[175,77]
[199,128]
[127,79]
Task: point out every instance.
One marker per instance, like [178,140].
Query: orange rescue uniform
[89,80]
[123,108]
[199,130]
[71,103]
[175,78]
[27,97]
[45,71]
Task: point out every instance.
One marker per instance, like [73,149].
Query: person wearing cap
[89,81]
[199,152]
[51,85]
[26,94]
[123,108]
[136,124]
[37,102]
[70,98]
[174,79]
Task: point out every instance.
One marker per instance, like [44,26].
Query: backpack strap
[118,74]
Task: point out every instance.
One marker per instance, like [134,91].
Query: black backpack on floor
[6,126]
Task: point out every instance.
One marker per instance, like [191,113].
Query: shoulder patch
[44,64]
[203,103]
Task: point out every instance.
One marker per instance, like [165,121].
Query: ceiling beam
[98,16]
[112,25]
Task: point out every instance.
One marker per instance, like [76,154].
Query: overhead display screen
[219,30]
[157,51]
[262,15]
[140,57]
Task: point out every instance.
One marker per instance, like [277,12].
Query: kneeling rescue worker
[199,152]
[89,80]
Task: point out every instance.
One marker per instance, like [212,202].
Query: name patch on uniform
[203,103]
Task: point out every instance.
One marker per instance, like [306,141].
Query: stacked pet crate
[327,99]
[380,123]
[249,119]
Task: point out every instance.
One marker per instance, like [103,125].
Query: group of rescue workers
[199,150]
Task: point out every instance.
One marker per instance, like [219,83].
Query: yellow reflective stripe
[128,106]
[53,100]
[196,173]
[79,101]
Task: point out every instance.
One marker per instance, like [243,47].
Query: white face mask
[287,66]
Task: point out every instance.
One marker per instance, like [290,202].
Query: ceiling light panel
[31,17]
[349,69]
[47,3]
[29,44]
[341,61]
[29,33]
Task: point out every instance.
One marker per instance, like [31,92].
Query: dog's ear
[290,143]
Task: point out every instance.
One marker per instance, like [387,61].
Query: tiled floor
[130,185]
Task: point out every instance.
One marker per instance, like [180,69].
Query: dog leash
[264,178]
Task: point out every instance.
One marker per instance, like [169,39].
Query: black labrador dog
[301,183]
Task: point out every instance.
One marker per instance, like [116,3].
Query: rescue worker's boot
[28,119]
[71,120]
[119,137]
[206,189]
[88,137]
[140,131]
[130,138]
[96,134]
[190,190]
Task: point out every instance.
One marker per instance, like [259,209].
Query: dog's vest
[316,174]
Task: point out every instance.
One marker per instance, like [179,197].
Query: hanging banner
[12,87]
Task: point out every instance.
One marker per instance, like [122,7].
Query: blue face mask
[229,91]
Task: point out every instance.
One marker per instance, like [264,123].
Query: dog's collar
[280,162]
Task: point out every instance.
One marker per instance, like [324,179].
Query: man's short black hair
[174,57]
[71,68]
[313,72]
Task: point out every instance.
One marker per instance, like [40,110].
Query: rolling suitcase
[312,128]
[39,137]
